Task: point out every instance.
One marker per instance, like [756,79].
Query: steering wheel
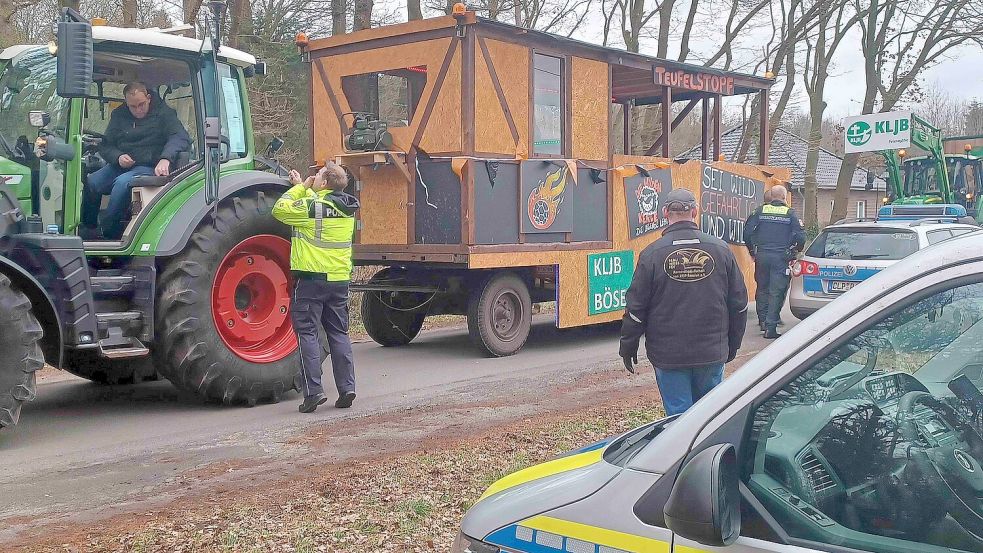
[957,473]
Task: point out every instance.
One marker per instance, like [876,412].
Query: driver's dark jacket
[689,300]
[157,136]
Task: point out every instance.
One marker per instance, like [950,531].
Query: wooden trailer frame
[444,206]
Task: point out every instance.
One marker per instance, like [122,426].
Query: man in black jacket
[689,300]
[772,234]
[144,137]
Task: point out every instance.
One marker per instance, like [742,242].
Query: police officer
[689,300]
[773,235]
[322,217]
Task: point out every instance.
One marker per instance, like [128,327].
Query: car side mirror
[704,505]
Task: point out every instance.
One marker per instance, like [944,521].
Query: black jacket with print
[689,300]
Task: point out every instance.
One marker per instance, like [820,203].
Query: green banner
[608,277]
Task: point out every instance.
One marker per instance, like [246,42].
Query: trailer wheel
[90,366]
[500,315]
[392,318]
[20,334]
[223,323]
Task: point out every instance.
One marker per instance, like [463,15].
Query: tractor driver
[144,137]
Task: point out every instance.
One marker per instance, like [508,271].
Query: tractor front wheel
[20,334]
[223,324]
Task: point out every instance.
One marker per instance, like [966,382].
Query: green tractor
[944,176]
[197,288]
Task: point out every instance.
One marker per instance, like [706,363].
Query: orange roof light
[902,153]
[99,22]
[769,75]
[302,41]
[459,9]
[968,147]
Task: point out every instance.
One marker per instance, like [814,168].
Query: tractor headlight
[464,544]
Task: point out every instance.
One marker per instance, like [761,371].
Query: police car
[844,255]
[858,430]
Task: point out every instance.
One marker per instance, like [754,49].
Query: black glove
[629,354]
[732,355]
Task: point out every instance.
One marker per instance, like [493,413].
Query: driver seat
[145,188]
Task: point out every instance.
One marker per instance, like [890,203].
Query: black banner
[726,201]
[644,198]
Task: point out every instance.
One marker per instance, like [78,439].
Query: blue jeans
[115,181]
[681,388]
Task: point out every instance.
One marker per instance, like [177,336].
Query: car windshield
[28,84]
[867,243]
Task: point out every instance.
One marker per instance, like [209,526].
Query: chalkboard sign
[726,201]
[644,198]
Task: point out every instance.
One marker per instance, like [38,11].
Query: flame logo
[545,199]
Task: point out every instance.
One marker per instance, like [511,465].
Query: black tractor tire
[20,335]
[87,364]
[389,317]
[189,349]
[500,314]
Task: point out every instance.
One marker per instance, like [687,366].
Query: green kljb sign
[608,277]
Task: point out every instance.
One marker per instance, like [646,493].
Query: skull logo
[648,198]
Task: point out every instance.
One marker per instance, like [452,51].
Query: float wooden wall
[442,131]
[572,307]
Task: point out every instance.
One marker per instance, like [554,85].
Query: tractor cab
[965,172]
[52,182]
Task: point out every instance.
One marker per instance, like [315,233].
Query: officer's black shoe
[771,333]
[345,401]
[762,326]
[311,403]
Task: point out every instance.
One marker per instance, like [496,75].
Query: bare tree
[942,110]
[129,13]
[900,39]
[836,19]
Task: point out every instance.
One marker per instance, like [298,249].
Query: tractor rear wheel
[393,318]
[90,366]
[223,324]
[20,334]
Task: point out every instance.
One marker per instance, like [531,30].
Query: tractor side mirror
[39,119]
[258,68]
[705,504]
[275,145]
[74,68]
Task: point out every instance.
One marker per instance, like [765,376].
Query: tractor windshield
[920,178]
[28,84]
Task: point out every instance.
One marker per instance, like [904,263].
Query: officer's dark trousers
[326,302]
[772,285]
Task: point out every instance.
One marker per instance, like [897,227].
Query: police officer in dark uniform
[322,217]
[773,235]
[689,300]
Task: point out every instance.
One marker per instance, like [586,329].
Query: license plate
[841,285]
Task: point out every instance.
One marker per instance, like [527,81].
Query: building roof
[149,37]
[789,151]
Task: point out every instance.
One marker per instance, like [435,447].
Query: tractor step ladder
[112,285]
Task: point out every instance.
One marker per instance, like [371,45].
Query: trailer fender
[185,221]
[42,306]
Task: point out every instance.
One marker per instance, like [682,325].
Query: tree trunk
[413,10]
[191,9]
[339,17]
[8,32]
[240,22]
[665,26]
[817,108]
[129,13]
[363,15]
[494,9]
[74,4]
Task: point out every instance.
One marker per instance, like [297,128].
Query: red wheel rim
[251,300]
